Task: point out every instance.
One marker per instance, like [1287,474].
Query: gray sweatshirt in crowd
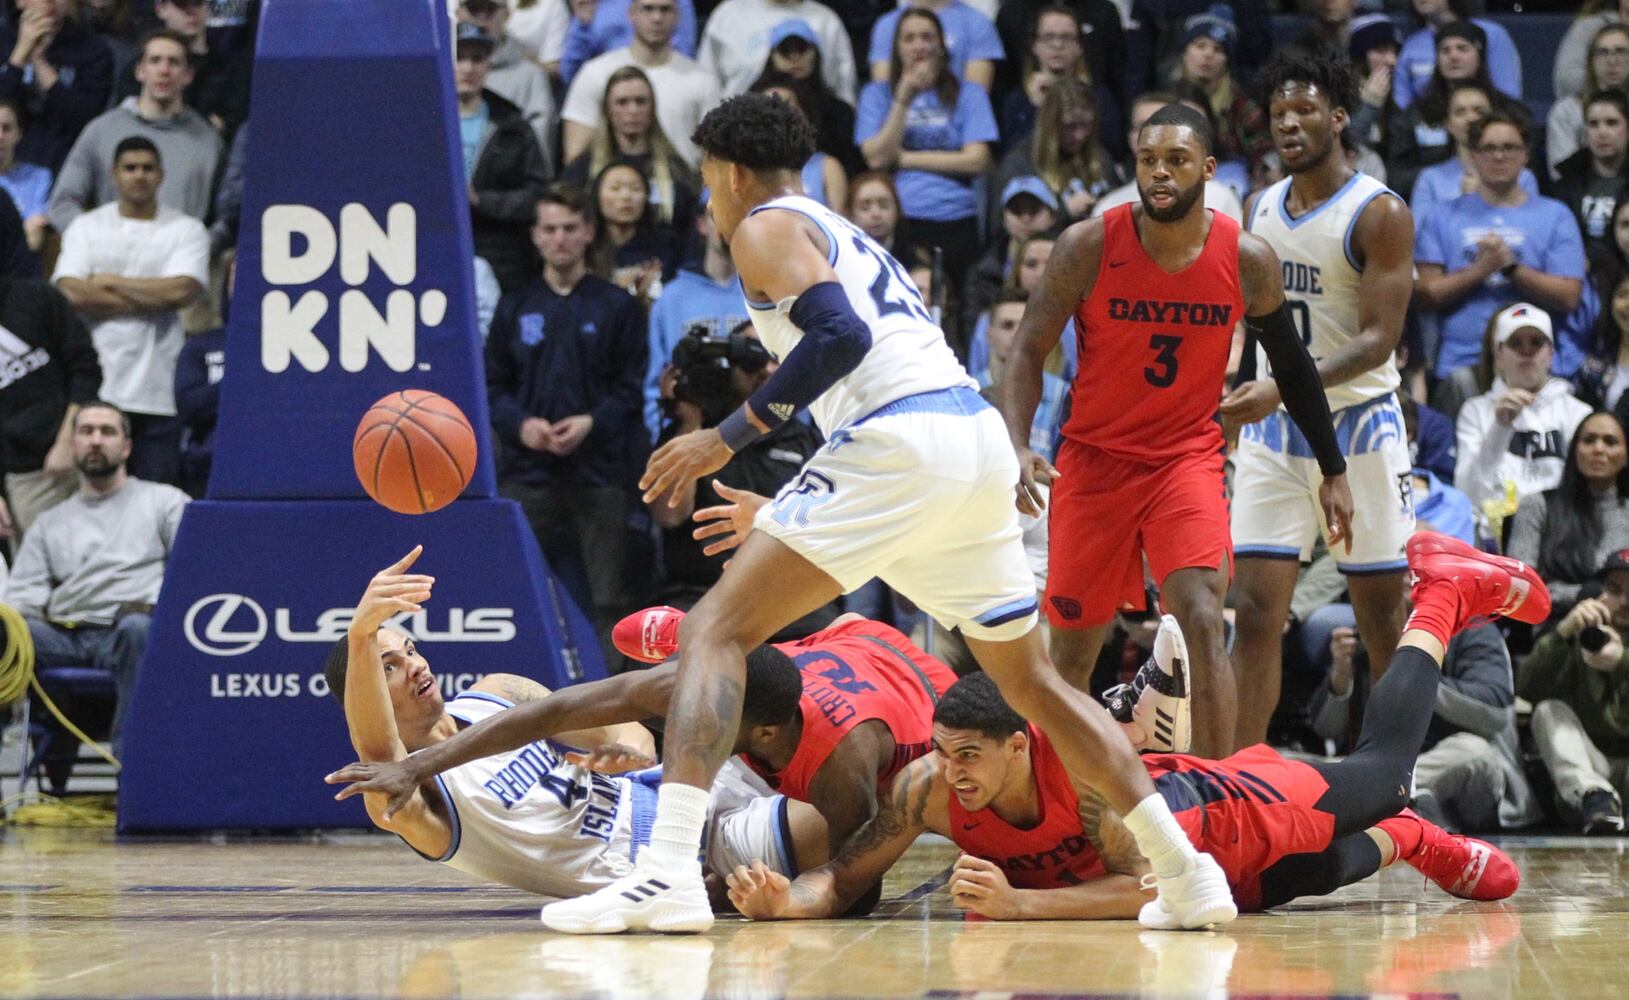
[188,145]
[85,557]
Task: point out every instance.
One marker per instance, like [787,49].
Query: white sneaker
[649,899]
[1195,899]
[1154,709]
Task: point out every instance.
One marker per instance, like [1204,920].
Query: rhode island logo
[531,329]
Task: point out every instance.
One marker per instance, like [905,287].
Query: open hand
[685,458]
[391,592]
[729,523]
[396,781]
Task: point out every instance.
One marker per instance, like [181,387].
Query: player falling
[913,486]
[1156,290]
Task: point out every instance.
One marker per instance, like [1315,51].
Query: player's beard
[1179,208]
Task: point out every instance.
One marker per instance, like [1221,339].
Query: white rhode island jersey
[908,352]
[529,819]
[1321,277]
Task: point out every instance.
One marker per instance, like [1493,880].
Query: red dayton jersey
[853,673]
[1154,345]
[1053,853]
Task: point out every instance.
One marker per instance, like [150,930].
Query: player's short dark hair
[774,686]
[1319,66]
[102,404]
[169,35]
[334,667]
[136,144]
[974,702]
[758,132]
[1186,117]
[569,197]
[1498,116]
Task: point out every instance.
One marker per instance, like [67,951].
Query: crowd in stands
[961,135]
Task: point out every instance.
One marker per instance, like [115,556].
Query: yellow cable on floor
[17,676]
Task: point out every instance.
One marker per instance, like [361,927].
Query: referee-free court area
[357,915]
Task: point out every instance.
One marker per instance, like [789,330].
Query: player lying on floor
[529,817]
[829,720]
[1279,828]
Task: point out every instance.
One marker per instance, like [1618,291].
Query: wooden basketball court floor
[87,915]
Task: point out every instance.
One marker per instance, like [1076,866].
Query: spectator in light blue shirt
[936,132]
[28,184]
[969,37]
[608,28]
[1442,183]
[1419,55]
[1001,329]
[1494,247]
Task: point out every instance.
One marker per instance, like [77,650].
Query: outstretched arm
[916,803]
[524,691]
[638,694]
[1070,272]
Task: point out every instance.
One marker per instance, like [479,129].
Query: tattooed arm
[916,802]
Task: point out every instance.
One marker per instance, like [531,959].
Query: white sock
[1158,836]
[675,837]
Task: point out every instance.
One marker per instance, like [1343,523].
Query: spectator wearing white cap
[1517,431]
[1496,246]
[741,34]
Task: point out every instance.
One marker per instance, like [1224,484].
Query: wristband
[737,431]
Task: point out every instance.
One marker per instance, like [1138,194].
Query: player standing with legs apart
[913,486]
[1156,290]
[1347,243]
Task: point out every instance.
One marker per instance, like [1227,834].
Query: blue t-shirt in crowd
[969,35]
[930,125]
[1418,59]
[1446,509]
[689,299]
[1541,232]
[29,186]
[814,178]
[1440,183]
[470,130]
[611,29]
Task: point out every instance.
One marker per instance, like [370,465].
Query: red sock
[1407,832]
[1436,610]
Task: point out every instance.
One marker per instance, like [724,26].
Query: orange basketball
[414,451]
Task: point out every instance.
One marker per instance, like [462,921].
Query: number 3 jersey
[1154,345]
[529,819]
[908,352]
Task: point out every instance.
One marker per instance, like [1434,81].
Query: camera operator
[1577,678]
[708,377]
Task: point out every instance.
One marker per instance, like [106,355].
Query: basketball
[414,451]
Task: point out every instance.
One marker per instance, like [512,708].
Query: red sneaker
[649,636]
[1461,866]
[1489,586]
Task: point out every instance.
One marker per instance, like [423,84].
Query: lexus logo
[231,624]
